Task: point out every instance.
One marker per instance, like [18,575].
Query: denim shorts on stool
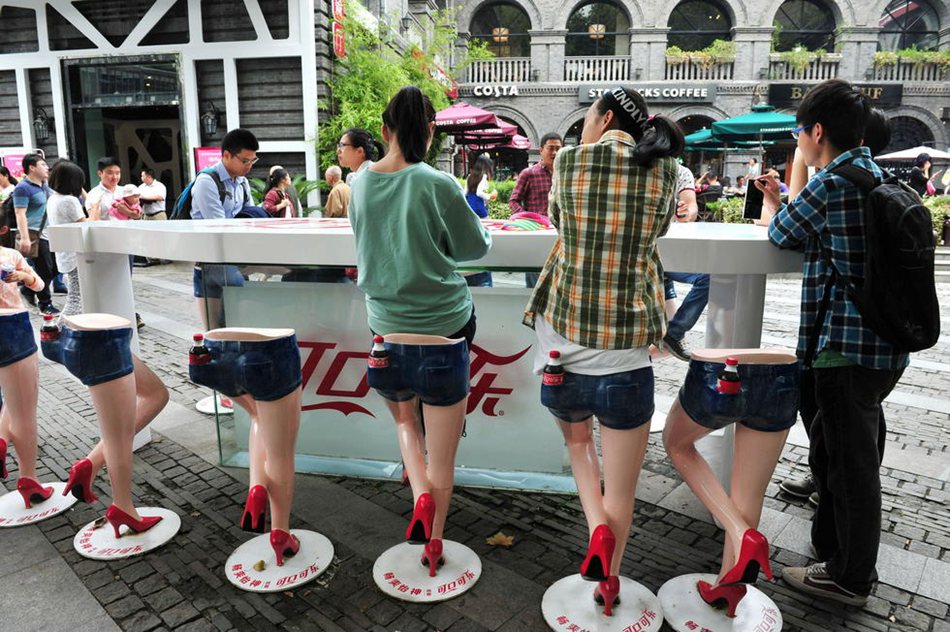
[16,338]
[622,401]
[438,374]
[92,356]
[265,369]
[766,401]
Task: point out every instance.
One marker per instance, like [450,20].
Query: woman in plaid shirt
[599,302]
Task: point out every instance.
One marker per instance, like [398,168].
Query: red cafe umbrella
[502,132]
[517,141]
[463,117]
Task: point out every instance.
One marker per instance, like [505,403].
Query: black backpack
[898,297]
[182,208]
[9,218]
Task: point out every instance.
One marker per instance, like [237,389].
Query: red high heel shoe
[420,527]
[32,492]
[753,555]
[731,594]
[255,510]
[80,481]
[596,565]
[116,517]
[607,594]
[432,556]
[285,544]
[3,459]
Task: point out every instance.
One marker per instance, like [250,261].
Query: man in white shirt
[152,196]
[100,198]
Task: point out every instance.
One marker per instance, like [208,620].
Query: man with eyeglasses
[238,155]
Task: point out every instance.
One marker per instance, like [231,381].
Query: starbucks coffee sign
[666,92]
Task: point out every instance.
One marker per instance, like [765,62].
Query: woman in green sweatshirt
[412,227]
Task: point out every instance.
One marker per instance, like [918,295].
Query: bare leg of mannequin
[257,456]
[585,466]
[278,423]
[151,396]
[411,444]
[20,385]
[443,431]
[114,401]
[623,452]
[755,456]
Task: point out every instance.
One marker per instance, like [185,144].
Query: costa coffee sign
[507,429]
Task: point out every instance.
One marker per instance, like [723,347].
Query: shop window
[806,23]
[573,135]
[598,28]
[695,24]
[694,123]
[906,24]
[504,29]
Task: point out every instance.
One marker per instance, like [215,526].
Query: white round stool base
[100,543]
[206,405]
[399,573]
[570,601]
[313,558]
[686,611]
[13,513]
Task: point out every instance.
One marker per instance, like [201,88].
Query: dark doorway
[129,109]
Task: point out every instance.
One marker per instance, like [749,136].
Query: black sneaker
[815,580]
[139,323]
[799,487]
[813,499]
[48,308]
[677,348]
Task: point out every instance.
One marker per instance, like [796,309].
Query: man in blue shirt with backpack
[221,193]
[849,368]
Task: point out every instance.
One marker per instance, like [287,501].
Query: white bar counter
[345,428]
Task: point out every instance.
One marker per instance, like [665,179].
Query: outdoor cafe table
[345,429]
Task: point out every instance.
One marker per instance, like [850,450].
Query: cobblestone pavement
[47,586]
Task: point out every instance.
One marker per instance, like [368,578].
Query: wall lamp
[405,22]
[209,120]
[40,125]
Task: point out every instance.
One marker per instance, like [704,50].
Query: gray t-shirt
[64,209]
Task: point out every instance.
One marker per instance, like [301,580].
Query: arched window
[573,136]
[907,23]
[504,28]
[695,24]
[597,28]
[907,132]
[694,123]
[807,23]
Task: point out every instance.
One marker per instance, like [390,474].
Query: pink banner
[14,162]
[206,157]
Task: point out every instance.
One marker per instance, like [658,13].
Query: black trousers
[45,265]
[846,447]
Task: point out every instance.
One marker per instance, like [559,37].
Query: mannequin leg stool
[31,501]
[259,370]
[95,348]
[758,390]
[406,369]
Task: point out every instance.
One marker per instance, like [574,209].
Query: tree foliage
[376,67]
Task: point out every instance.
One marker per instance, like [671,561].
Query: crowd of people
[600,301]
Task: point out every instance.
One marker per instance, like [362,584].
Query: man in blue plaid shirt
[853,369]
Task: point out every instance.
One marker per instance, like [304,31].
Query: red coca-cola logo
[485,393]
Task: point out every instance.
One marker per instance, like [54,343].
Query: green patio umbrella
[706,140]
[762,123]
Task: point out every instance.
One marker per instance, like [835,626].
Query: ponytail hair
[361,139]
[408,116]
[9,175]
[656,136]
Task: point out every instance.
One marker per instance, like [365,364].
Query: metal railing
[824,67]
[500,70]
[692,71]
[907,70]
[600,68]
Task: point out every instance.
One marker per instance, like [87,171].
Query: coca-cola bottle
[729,382]
[50,330]
[199,353]
[379,356]
[553,371]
